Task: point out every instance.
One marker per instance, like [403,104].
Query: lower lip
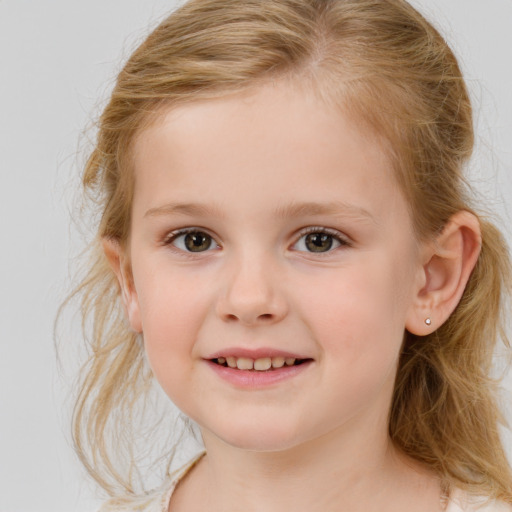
[251,379]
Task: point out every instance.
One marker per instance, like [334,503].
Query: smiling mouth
[262,364]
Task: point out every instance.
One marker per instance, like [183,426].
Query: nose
[253,293]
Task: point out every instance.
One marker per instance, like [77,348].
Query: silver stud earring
[428,321]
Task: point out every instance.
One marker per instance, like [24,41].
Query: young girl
[287,246]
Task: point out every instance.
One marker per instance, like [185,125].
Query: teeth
[244,363]
[277,362]
[262,364]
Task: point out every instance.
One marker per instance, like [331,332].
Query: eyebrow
[303,209]
[330,208]
[190,209]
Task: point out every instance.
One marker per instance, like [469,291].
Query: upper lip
[255,353]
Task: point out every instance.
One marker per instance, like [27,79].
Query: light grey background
[57,61]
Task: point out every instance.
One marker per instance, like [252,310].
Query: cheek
[358,323]
[358,315]
[172,306]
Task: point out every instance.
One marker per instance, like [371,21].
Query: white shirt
[158,500]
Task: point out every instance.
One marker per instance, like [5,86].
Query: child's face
[301,245]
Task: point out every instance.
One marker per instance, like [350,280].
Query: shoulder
[462,502]
[154,501]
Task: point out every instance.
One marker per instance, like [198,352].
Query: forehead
[275,142]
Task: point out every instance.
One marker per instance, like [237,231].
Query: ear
[449,261]
[118,261]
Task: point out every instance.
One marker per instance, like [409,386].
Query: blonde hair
[385,64]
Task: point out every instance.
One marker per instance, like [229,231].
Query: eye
[319,240]
[191,240]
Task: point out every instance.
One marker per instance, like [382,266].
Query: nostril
[265,317]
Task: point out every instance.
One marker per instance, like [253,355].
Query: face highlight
[274,267]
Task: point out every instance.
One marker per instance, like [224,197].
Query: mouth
[258,368]
[262,364]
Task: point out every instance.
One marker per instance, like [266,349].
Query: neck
[352,470]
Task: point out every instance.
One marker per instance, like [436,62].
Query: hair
[389,68]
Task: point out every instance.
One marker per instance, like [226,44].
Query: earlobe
[117,260]
[449,263]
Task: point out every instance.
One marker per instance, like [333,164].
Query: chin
[260,437]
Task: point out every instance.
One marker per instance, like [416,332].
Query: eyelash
[174,235]
[336,235]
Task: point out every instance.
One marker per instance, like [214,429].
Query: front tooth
[277,362]
[290,361]
[244,363]
[231,362]
[265,363]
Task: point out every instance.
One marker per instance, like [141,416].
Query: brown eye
[193,241]
[318,242]
[197,242]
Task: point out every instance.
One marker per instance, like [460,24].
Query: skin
[317,441]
